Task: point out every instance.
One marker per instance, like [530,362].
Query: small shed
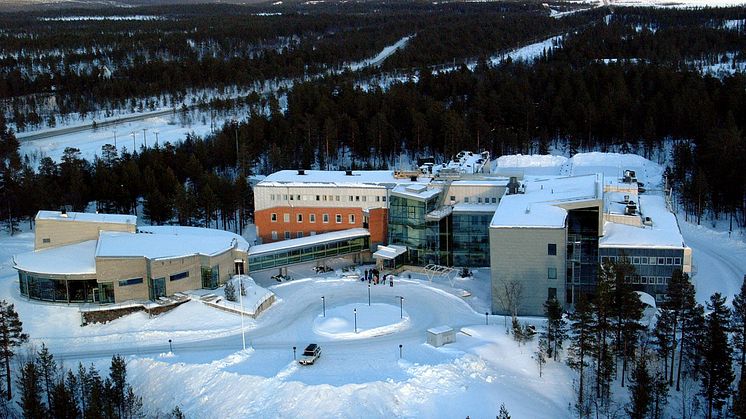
[439,336]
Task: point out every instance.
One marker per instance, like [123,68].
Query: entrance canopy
[389,252]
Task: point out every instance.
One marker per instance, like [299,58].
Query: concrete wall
[115,269]
[520,254]
[66,231]
[338,196]
[474,191]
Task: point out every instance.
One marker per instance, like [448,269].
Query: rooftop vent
[648,221]
[63,213]
[630,210]
[513,185]
[301,172]
[348,172]
[413,178]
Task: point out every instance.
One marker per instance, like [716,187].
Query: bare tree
[510,294]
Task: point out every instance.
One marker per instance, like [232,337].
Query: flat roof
[663,234]
[167,242]
[390,251]
[419,191]
[87,217]
[462,207]
[72,259]
[352,233]
[359,178]
[539,206]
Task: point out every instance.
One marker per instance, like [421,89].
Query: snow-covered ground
[359,374]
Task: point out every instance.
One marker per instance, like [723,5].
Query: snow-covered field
[360,373]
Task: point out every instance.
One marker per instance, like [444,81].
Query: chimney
[301,172]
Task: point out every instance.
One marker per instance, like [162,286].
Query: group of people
[373,276]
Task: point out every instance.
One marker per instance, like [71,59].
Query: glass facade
[308,253]
[582,252]
[426,241]
[39,287]
[653,267]
[471,239]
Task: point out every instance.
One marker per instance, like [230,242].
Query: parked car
[310,355]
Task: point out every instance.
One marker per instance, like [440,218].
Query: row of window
[644,260]
[312,218]
[647,280]
[478,200]
[133,281]
[336,198]
[179,276]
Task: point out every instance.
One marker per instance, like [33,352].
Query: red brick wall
[265,225]
[378,225]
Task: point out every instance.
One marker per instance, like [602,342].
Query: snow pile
[374,320]
[249,303]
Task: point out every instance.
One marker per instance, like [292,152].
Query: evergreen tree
[177,413]
[581,345]
[662,337]
[640,391]
[28,383]
[230,291]
[717,370]
[503,414]
[11,336]
[739,403]
[660,395]
[47,369]
[556,328]
[118,379]
[739,324]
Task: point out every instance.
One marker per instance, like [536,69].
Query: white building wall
[332,195]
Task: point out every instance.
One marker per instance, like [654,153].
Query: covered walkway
[306,249]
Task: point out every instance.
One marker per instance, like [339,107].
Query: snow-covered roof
[466,162]
[440,329]
[87,217]
[352,233]
[360,178]
[168,242]
[664,233]
[530,165]
[540,207]
[389,252]
[73,259]
[413,190]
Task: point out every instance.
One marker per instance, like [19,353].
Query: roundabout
[360,320]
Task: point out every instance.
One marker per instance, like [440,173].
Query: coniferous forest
[625,79]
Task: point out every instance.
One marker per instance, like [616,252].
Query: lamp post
[355,312]
[401,307]
[400,346]
[134,147]
[240,299]
[115,138]
[156,138]
[486,318]
[368,295]
[323,306]
[170,347]
[293,353]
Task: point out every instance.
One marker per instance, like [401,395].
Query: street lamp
[486,318]
[170,347]
[355,311]
[401,307]
[368,295]
[323,306]
[134,147]
[400,346]
[240,299]
[293,353]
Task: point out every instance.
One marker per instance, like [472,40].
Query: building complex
[546,235]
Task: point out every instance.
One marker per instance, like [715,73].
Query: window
[287,235]
[552,273]
[336,197]
[652,261]
[636,260]
[677,261]
[479,200]
[326,196]
[311,218]
[466,199]
[299,234]
[351,198]
[300,218]
[667,280]
[291,197]
[272,197]
[352,218]
[669,261]
[274,235]
[494,200]
[644,260]
[604,259]
[338,218]
[298,196]
[384,199]
[378,199]
[644,280]
[176,277]
[364,197]
[273,217]
[357,198]
[286,217]
[285,197]
[46,240]
[318,198]
[552,249]
[661,261]
[133,281]
[453,198]
[325,218]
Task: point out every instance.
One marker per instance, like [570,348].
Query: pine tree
[28,383]
[662,337]
[177,413]
[541,354]
[118,379]
[640,391]
[47,368]
[660,395]
[11,336]
[503,414]
[556,328]
[739,324]
[739,403]
[230,291]
[581,345]
[717,369]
